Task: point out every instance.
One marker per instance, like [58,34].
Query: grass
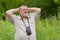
[48,29]
[6,31]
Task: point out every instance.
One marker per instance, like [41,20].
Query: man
[20,22]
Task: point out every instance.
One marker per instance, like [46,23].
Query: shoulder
[33,13]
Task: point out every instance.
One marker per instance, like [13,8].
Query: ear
[19,9]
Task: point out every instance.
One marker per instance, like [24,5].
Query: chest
[21,23]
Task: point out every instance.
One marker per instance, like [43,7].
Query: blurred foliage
[57,1]
[49,7]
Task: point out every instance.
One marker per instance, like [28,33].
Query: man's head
[23,10]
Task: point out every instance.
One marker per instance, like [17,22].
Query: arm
[37,10]
[10,12]
[9,15]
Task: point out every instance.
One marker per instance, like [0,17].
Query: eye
[23,9]
[26,9]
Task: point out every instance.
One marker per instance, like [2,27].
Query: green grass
[48,29]
[6,31]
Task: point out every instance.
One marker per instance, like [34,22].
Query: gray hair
[22,6]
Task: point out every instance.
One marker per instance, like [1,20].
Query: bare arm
[35,12]
[38,10]
[9,15]
[10,12]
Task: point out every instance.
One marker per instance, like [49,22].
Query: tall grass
[48,29]
[6,31]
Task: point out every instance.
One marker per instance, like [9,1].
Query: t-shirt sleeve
[11,18]
[35,15]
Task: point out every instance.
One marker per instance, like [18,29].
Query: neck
[23,17]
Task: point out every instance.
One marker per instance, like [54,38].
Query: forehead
[23,7]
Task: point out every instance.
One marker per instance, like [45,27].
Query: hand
[17,9]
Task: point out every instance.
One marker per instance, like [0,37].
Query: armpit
[35,15]
[10,18]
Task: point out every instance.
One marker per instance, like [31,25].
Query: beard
[25,15]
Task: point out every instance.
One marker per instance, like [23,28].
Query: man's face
[23,11]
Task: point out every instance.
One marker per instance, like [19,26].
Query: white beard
[25,15]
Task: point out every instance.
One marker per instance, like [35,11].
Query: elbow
[39,10]
[8,13]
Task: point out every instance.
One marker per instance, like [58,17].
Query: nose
[26,10]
